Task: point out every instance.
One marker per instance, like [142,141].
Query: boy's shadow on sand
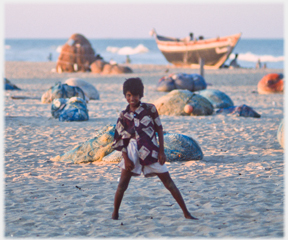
[112,120]
[224,158]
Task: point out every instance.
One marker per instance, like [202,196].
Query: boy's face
[133,100]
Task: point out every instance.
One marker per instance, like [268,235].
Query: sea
[143,51]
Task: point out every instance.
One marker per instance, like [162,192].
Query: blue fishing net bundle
[94,149]
[240,111]
[69,109]
[9,86]
[192,82]
[217,98]
[179,147]
[63,90]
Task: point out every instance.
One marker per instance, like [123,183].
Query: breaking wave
[128,50]
[59,49]
[250,57]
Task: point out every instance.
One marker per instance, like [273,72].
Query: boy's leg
[170,185]
[122,186]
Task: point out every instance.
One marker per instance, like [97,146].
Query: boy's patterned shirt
[143,124]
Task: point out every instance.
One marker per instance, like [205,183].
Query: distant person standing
[258,64]
[128,60]
[50,57]
[191,36]
[233,63]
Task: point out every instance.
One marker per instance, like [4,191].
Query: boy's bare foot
[189,216]
[115,216]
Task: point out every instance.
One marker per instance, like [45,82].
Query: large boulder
[183,102]
[281,133]
[76,55]
[271,83]
[240,111]
[60,90]
[89,90]
[217,98]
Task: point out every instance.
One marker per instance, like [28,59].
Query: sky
[135,19]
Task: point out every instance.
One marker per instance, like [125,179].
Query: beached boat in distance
[189,52]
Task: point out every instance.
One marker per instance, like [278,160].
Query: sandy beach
[237,190]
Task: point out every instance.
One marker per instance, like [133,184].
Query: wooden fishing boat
[189,52]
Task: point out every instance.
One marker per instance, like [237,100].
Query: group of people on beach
[234,63]
[135,137]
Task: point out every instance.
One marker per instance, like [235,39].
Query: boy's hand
[129,165]
[161,157]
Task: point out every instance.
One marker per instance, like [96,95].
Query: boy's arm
[161,155]
[158,128]
[129,165]
[119,143]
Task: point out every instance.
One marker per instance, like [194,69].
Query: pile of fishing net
[183,102]
[69,109]
[62,90]
[177,147]
[240,111]
[217,98]
[192,82]
[9,86]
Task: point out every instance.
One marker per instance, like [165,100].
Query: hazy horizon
[147,38]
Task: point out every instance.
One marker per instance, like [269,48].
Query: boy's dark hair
[133,85]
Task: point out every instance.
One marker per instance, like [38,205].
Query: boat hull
[214,52]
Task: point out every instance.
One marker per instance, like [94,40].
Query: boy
[135,136]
